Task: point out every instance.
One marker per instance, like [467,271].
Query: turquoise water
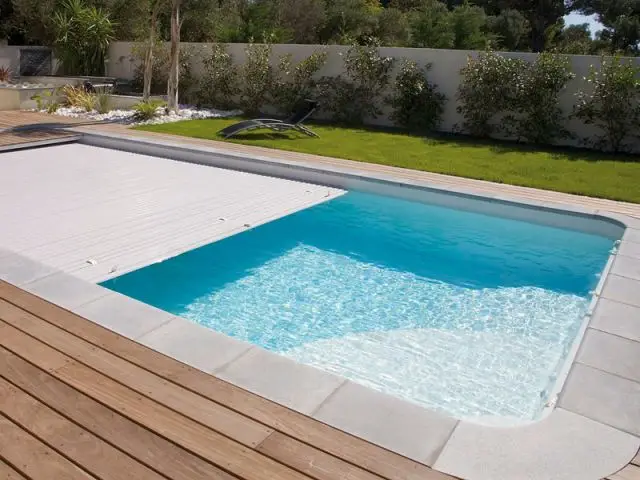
[465,313]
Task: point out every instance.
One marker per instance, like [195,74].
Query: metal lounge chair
[294,122]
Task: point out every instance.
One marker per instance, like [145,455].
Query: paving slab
[19,270]
[631,235]
[297,386]
[617,318]
[626,266]
[630,249]
[193,344]
[611,353]
[622,289]
[603,397]
[66,290]
[563,446]
[124,315]
[388,421]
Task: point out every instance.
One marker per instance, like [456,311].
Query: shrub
[536,114]
[356,96]
[417,105]
[486,92]
[610,100]
[257,78]
[219,85]
[160,74]
[102,102]
[83,34]
[79,97]
[46,100]
[5,74]
[147,110]
[295,83]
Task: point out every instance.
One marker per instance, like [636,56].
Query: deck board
[74,442]
[81,378]
[9,473]
[222,451]
[33,458]
[303,429]
[149,448]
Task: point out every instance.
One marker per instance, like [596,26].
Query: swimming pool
[466,313]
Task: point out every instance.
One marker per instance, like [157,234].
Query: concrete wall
[445,71]
[10,57]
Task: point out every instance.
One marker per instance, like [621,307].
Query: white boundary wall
[445,71]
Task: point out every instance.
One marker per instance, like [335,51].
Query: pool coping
[593,431]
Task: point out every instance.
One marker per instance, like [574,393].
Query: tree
[83,34]
[573,40]
[621,19]
[154,8]
[392,28]
[174,73]
[541,14]
[510,30]
[349,21]
[469,27]
[31,20]
[431,26]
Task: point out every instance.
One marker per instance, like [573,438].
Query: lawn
[563,170]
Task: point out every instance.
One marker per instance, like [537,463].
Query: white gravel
[127,116]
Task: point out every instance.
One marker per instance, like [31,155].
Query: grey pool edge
[592,432]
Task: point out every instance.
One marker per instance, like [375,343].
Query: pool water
[465,313]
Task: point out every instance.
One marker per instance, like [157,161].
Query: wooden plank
[75,443]
[32,457]
[630,472]
[147,447]
[8,473]
[305,429]
[220,450]
[311,461]
[308,459]
[223,420]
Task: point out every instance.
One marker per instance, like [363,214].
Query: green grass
[564,170]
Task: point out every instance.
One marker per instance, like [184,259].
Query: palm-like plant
[83,34]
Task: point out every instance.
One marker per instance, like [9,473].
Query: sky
[577,19]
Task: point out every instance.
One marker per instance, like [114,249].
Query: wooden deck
[10,140]
[79,401]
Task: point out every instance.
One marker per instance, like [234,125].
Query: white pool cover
[98,213]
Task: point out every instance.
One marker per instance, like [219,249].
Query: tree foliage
[82,36]
[512,25]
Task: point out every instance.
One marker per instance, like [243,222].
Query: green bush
[147,110]
[536,115]
[610,100]
[296,83]
[102,102]
[355,96]
[46,100]
[83,34]
[257,78]
[78,97]
[417,105]
[220,83]
[486,92]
